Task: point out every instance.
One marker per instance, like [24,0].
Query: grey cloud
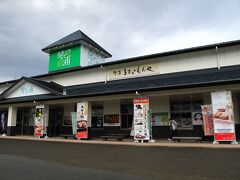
[124,28]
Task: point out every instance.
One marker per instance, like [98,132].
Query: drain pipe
[105,71]
[217,54]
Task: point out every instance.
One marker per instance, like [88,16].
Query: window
[97,116]
[159,119]
[126,115]
[182,108]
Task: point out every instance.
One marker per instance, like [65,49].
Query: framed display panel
[111,120]
[160,119]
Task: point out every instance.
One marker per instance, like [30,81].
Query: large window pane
[97,116]
[126,115]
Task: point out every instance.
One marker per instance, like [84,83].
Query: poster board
[111,120]
[223,117]
[74,122]
[82,120]
[197,118]
[141,124]
[160,119]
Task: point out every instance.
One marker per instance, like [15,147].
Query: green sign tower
[74,50]
[65,58]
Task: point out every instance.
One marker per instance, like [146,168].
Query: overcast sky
[125,28]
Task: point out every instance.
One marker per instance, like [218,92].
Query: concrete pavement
[24,159]
[127,142]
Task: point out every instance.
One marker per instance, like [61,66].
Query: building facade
[176,82]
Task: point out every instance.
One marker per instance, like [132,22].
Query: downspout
[217,54]
[105,71]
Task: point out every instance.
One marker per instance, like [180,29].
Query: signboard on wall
[65,58]
[197,118]
[141,124]
[132,71]
[207,120]
[111,120]
[223,119]
[26,89]
[82,119]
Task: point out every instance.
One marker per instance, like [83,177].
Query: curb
[100,142]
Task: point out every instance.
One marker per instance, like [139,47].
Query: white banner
[141,124]
[223,119]
[82,119]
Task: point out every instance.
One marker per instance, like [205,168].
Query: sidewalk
[127,142]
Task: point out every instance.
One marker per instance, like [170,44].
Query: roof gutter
[217,58]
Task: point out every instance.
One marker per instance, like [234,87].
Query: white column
[12,116]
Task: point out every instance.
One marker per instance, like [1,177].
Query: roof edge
[137,58]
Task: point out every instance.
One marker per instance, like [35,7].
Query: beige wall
[162,65]
[78,77]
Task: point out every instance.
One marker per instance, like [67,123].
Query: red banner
[207,120]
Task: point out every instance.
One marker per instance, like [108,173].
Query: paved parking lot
[24,159]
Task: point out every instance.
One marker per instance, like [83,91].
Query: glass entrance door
[25,121]
[55,120]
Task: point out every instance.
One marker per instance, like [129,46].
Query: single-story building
[176,82]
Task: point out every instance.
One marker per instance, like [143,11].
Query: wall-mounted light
[137,93]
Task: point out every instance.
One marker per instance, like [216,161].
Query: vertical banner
[82,118]
[74,122]
[39,121]
[3,123]
[222,106]
[141,124]
[207,120]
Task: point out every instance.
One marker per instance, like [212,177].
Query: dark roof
[180,80]
[53,88]
[27,99]
[74,39]
[195,78]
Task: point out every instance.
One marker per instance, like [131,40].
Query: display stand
[152,141]
[46,136]
[234,142]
